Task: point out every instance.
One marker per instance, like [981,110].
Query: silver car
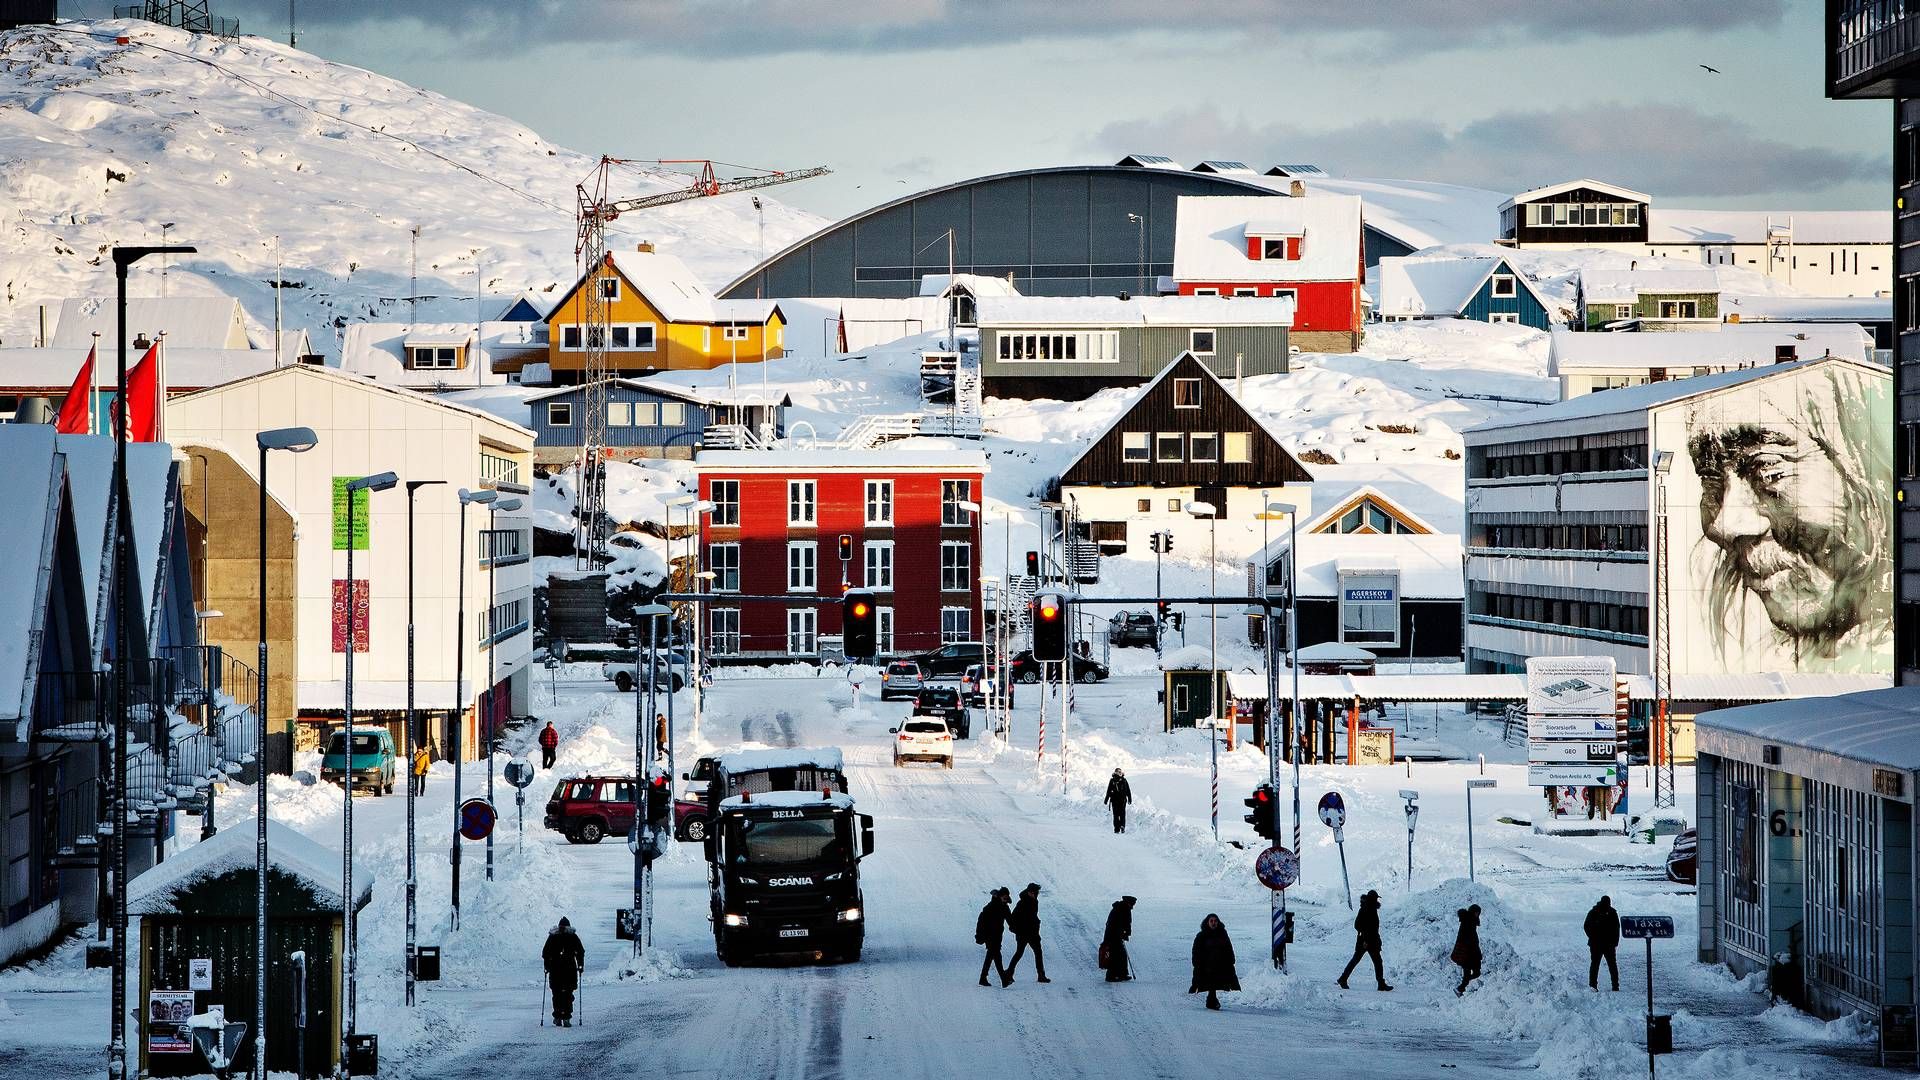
[901,678]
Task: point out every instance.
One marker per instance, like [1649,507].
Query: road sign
[1646,926]
[519,773]
[1277,868]
[476,819]
[1579,776]
[1570,727]
[1572,752]
[1333,810]
[1478,783]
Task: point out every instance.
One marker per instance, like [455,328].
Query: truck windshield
[363,744]
[786,842]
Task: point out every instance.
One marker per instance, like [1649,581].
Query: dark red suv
[586,808]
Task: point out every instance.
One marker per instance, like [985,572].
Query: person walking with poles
[549,745]
[1025,924]
[1113,947]
[990,930]
[1119,794]
[564,958]
[419,770]
[1603,937]
[1366,941]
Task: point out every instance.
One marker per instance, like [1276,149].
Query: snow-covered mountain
[235,142]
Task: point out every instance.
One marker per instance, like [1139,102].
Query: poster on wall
[169,1014]
[360,519]
[350,603]
[1780,523]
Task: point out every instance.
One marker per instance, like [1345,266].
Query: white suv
[922,738]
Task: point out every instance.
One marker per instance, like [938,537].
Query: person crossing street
[990,930]
[1025,924]
[1603,937]
[1119,794]
[1366,941]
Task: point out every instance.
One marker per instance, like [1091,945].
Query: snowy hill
[233,142]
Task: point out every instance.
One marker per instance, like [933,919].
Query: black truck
[783,876]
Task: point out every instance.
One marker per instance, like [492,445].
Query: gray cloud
[766,26]
[1671,150]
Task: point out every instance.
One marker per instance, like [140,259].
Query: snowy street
[911,1007]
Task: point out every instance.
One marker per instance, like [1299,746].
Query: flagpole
[160,395]
[93,385]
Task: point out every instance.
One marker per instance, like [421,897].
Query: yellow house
[661,318]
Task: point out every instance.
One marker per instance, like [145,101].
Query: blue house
[1483,288]
[647,419]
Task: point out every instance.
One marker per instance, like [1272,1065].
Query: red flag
[143,391]
[76,412]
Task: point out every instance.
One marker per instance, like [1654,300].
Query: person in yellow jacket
[420,762]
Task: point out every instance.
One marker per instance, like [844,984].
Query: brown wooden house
[1184,439]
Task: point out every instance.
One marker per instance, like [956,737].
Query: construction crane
[593,209]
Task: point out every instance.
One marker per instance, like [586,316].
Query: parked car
[901,678]
[1132,628]
[586,808]
[943,700]
[977,686]
[1684,857]
[672,671]
[952,658]
[922,738]
[1085,669]
[374,759]
[690,813]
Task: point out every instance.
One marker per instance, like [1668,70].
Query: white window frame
[1193,447]
[570,338]
[1506,286]
[619,414]
[735,333]
[803,630]
[1160,458]
[879,502]
[727,497]
[1622,311]
[723,631]
[1243,440]
[1506,317]
[1144,447]
[1265,240]
[634,333]
[609,287]
[877,558]
[950,634]
[673,414]
[956,568]
[1246,292]
[1193,343]
[1177,384]
[952,494]
[559,414]
[1206,292]
[803,566]
[803,503]
[646,414]
[724,560]
[883,630]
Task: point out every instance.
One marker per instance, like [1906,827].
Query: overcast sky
[900,95]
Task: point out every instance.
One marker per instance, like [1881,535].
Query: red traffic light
[660,781]
[1049,612]
[1262,794]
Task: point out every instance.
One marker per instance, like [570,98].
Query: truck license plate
[794,933]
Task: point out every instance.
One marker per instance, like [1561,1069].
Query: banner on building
[340,512]
[350,609]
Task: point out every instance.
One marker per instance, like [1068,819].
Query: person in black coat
[1119,794]
[1025,924]
[1213,961]
[990,930]
[1366,942]
[1119,929]
[1466,947]
[563,957]
[1603,937]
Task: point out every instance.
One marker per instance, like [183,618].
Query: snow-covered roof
[89,494]
[1430,565]
[422,336]
[785,460]
[836,799]
[1631,403]
[231,851]
[679,296]
[29,492]
[308,371]
[1746,686]
[1214,165]
[1025,311]
[978,284]
[1439,285]
[1881,727]
[1328,652]
[1210,237]
[378,351]
[817,757]
[1774,308]
[1149,161]
[53,370]
[1551,190]
[696,395]
[1677,226]
[190,322]
[1625,284]
[1727,345]
[1189,658]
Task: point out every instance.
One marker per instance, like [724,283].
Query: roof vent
[644,247]
[1769,755]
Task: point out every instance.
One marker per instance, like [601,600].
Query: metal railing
[497,471]
[77,819]
[1872,33]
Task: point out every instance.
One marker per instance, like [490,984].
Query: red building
[1309,247]
[776,530]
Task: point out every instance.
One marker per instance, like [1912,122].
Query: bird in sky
[1710,70]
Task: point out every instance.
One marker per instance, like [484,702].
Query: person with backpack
[1025,924]
[1119,794]
[1113,947]
[549,745]
[990,930]
[1603,937]
[564,958]
[1213,966]
[1466,948]
[1366,942]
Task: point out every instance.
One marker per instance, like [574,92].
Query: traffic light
[657,804]
[1265,810]
[1166,608]
[858,632]
[846,547]
[1033,564]
[1050,618]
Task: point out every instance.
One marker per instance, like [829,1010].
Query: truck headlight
[852,914]
[731,919]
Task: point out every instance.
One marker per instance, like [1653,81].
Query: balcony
[501,473]
[1873,49]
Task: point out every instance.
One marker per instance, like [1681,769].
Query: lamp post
[642,766]
[493,636]
[1212,514]
[376,482]
[412,740]
[460,684]
[1278,902]
[294,440]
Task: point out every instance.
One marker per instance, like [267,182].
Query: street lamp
[1212,514]
[376,482]
[460,684]
[493,636]
[1267,511]
[294,440]
[643,763]
[412,737]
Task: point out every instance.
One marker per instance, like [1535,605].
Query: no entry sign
[476,819]
[1277,868]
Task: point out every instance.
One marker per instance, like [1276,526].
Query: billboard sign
[1572,775]
[1570,686]
[1570,727]
[169,1018]
[1570,752]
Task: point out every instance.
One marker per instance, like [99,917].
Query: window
[725,496]
[802,573]
[503,545]
[879,556]
[952,494]
[1679,309]
[956,566]
[620,337]
[497,469]
[1500,317]
[1623,311]
[883,630]
[646,414]
[673,414]
[1274,249]
[559,414]
[609,288]
[1186,393]
[1143,506]
[570,338]
[1784,354]
[619,414]
[1246,292]
[630,337]
[1203,446]
[1092,346]
[1206,292]
[434,356]
[1173,506]
[956,624]
[724,561]
[723,634]
[800,502]
[879,502]
[1200,342]
[803,632]
[1134,446]
[1169,446]
[1239,447]
[1906,451]
[1505,285]
[502,621]
[734,333]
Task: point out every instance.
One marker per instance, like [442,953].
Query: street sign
[519,773]
[1333,811]
[1570,752]
[1579,776]
[1477,783]
[1646,926]
[1571,727]
[1277,868]
[476,819]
